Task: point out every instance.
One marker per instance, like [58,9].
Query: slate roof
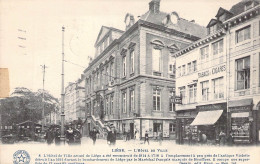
[240,7]
[183,25]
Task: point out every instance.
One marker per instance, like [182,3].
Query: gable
[103,31]
[212,22]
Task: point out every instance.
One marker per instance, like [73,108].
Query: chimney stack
[154,6]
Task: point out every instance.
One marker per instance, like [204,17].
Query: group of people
[53,135]
[202,138]
[72,135]
[111,136]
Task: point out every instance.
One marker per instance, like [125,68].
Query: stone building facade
[131,81]
[222,93]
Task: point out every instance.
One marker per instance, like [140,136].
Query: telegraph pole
[43,104]
[62,90]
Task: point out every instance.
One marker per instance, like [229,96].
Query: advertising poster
[132,81]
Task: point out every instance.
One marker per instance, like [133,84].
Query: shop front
[183,121]
[210,121]
[241,120]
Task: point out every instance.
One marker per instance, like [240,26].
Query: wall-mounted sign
[212,71]
[176,100]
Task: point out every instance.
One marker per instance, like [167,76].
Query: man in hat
[93,135]
[111,137]
[146,137]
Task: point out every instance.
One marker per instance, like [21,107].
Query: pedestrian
[124,135]
[160,137]
[222,138]
[128,135]
[111,137]
[70,135]
[94,133]
[204,138]
[49,136]
[199,136]
[190,137]
[137,135]
[77,135]
[230,139]
[146,137]
[57,136]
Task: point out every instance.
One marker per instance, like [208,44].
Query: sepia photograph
[133,81]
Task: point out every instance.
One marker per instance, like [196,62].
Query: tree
[26,105]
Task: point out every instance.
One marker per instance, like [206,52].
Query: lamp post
[62,138]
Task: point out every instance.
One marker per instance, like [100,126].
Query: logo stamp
[21,157]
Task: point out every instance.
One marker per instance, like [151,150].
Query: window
[189,68]
[107,105]
[192,93]
[172,127]
[170,68]
[111,70]
[243,73]
[132,100]
[194,64]
[182,94]
[179,71]
[124,66]
[217,47]
[123,127]
[156,100]
[204,52]
[132,61]
[218,88]
[156,60]
[243,34]
[205,90]
[107,74]
[111,103]
[124,101]
[183,70]
[171,104]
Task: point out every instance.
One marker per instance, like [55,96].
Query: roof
[183,25]
[104,30]
[240,7]
[212,22]
[222,11]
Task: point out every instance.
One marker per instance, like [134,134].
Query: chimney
[154,6]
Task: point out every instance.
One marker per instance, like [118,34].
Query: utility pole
[43,104]
[62,90]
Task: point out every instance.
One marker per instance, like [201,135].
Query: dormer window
[249,5]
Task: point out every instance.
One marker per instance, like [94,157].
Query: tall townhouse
[131,81]
[244,72]
[74,108]
[218,78]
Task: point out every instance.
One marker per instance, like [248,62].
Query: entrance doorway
[132,130]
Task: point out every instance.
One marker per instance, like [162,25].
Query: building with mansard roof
[218,78]
[130,83]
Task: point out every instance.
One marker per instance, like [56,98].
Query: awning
[238,103]
[207,117]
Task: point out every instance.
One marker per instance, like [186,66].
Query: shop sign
[212,71]
[240,108]
[176,100]
[212,107]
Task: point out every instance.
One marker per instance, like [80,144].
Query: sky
[31,35]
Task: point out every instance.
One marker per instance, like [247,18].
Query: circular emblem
[21,157]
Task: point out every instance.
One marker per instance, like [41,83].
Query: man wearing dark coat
[111,137]
[93,135]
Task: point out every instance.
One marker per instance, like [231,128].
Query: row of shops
[237,118]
